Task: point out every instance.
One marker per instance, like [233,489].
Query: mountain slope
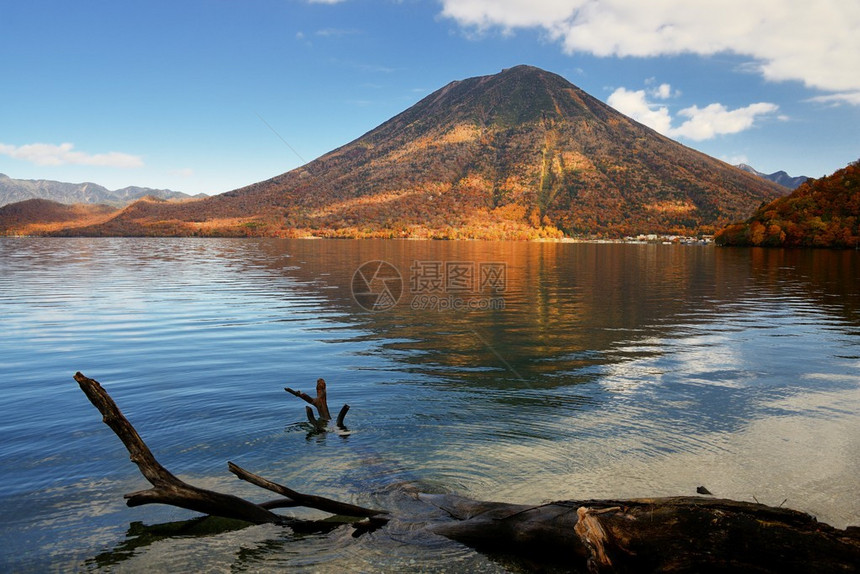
[778,177]
[15,190]
[43,216]
[820,213]
[519,154]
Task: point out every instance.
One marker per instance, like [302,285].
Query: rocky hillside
[820,213]
[519,154]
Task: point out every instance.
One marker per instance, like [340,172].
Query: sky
[208,96]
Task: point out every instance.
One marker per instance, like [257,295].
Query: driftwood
[167,489]
[675,534]
[321,403]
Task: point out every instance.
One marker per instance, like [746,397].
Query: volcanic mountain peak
[518,154]
[515,96]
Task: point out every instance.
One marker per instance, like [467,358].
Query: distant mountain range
[779,177]
[14,190]
[520,154]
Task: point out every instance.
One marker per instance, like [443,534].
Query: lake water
[523,372]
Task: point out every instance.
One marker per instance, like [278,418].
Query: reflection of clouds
[701,358]
[721,347]
[836,377]
[630,375]
[709,353]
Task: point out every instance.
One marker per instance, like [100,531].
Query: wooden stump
[321,404]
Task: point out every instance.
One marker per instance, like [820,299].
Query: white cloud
[700,123]
[838,99]
[182,172]
[736,159]
[813,42]
[714,119]
[336,32]
[636,105]
[325,1]
[662,92]
[65,154]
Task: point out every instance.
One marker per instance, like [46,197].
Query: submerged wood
[319,402]
[168,489]
[341,415]
[675,534]
[307,500]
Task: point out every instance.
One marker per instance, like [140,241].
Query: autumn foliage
[820,213]
[522,154]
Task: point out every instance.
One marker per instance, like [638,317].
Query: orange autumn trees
[820,213]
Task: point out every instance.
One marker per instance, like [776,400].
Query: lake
[522,372]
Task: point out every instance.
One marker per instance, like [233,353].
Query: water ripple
[612,371]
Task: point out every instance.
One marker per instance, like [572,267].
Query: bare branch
[167,489]
[307,500]
[341,415]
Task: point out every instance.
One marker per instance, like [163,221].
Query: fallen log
[675,534]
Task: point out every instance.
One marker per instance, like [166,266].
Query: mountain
[14,190]
[43,216]
[778,177]
[519,154]
[820,213]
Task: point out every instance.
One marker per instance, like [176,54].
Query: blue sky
[208,96]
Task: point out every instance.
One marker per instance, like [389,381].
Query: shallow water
[569,371]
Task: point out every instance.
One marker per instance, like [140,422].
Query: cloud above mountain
[813,42]
[65,154]
[697,124]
